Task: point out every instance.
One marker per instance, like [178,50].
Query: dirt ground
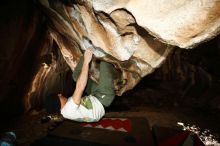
[160,106]
[29,127]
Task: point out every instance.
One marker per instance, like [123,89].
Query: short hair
[52,104]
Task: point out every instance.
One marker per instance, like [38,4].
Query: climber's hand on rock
[88,55]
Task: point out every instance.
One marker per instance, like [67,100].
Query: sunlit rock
[135,36]
[182,23]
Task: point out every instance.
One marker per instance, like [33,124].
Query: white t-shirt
[90,110]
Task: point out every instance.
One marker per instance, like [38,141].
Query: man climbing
[88,108]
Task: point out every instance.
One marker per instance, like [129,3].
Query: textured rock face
[182,23]
[116,38]
[119,31]
[135,36]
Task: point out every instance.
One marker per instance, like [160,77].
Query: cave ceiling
[135,36]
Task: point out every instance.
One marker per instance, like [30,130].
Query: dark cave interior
[186,84]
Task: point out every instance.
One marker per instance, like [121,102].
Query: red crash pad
[165,136]
[108,131]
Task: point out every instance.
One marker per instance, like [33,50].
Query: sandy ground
[29,127]
[162,106]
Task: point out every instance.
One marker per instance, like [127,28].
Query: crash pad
[106,132]
[166,136]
